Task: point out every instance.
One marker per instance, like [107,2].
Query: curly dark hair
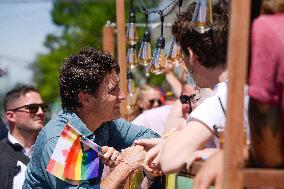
[84,71]
[211,46]
[16,93]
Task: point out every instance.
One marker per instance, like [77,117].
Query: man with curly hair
[90,95]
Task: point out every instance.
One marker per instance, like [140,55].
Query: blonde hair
[144,88]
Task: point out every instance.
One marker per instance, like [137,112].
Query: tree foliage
[81,24]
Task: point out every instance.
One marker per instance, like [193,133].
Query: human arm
[174,83]
[175,118]
[211,172]
[178,149]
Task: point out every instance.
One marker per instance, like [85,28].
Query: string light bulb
[175,56]
[131,32]
[159,58]
[145,54]
[131,90]
[131,58]
[130,83]
[147,71]
[202,18]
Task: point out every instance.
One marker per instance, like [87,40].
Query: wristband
[128,164]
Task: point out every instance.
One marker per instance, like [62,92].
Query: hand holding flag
[75,157]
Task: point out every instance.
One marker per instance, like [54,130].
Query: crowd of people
[160,138]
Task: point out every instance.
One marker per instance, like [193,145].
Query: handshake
[142,155]
[133,156]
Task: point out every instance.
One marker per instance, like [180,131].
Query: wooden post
[121,52]
[237,67]
[108,39]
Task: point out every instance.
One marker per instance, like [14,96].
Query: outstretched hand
[151,162]
[210,173]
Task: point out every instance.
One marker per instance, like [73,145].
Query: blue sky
[23,27]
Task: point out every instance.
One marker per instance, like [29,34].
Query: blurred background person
[25,114]
[266,82]
[144,98]
[149,97]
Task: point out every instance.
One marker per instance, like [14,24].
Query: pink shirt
[266,82]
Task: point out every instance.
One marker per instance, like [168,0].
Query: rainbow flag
[81,164]
[75,157]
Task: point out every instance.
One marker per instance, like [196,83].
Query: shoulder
[210,111]
[126,128]
[4,147]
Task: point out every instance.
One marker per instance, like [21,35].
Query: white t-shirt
[154,119]
[210,111]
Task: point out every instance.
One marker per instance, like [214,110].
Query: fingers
[151,154]
[202,182]
[156,161]
[109,156]
[147,143]
[108,153]
[218,183]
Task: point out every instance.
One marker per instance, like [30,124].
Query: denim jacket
[118,134]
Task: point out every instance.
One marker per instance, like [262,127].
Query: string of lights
[143,8]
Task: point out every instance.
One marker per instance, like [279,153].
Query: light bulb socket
[160,42]
[147,37]
[132,18]
[180,3]
[132,46]
[129,75]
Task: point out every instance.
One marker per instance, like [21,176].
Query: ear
[10,116]
[191,56]
[86,99]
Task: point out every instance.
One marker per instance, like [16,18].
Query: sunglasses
[152,102]
[32,108]
[184,99]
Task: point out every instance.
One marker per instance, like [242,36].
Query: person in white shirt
[205,59]
[25,115]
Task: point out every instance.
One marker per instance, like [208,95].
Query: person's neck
[92,121]
[214,76]
[25,138]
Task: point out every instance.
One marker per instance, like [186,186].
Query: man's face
[31,116]
[109,97]
[150,99]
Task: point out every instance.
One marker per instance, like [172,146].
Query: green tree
[81,24]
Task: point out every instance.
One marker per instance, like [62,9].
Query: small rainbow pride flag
[75,158]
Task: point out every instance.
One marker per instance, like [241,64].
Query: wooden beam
[121,52]
[108,39]
[262,178]
[237,66]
